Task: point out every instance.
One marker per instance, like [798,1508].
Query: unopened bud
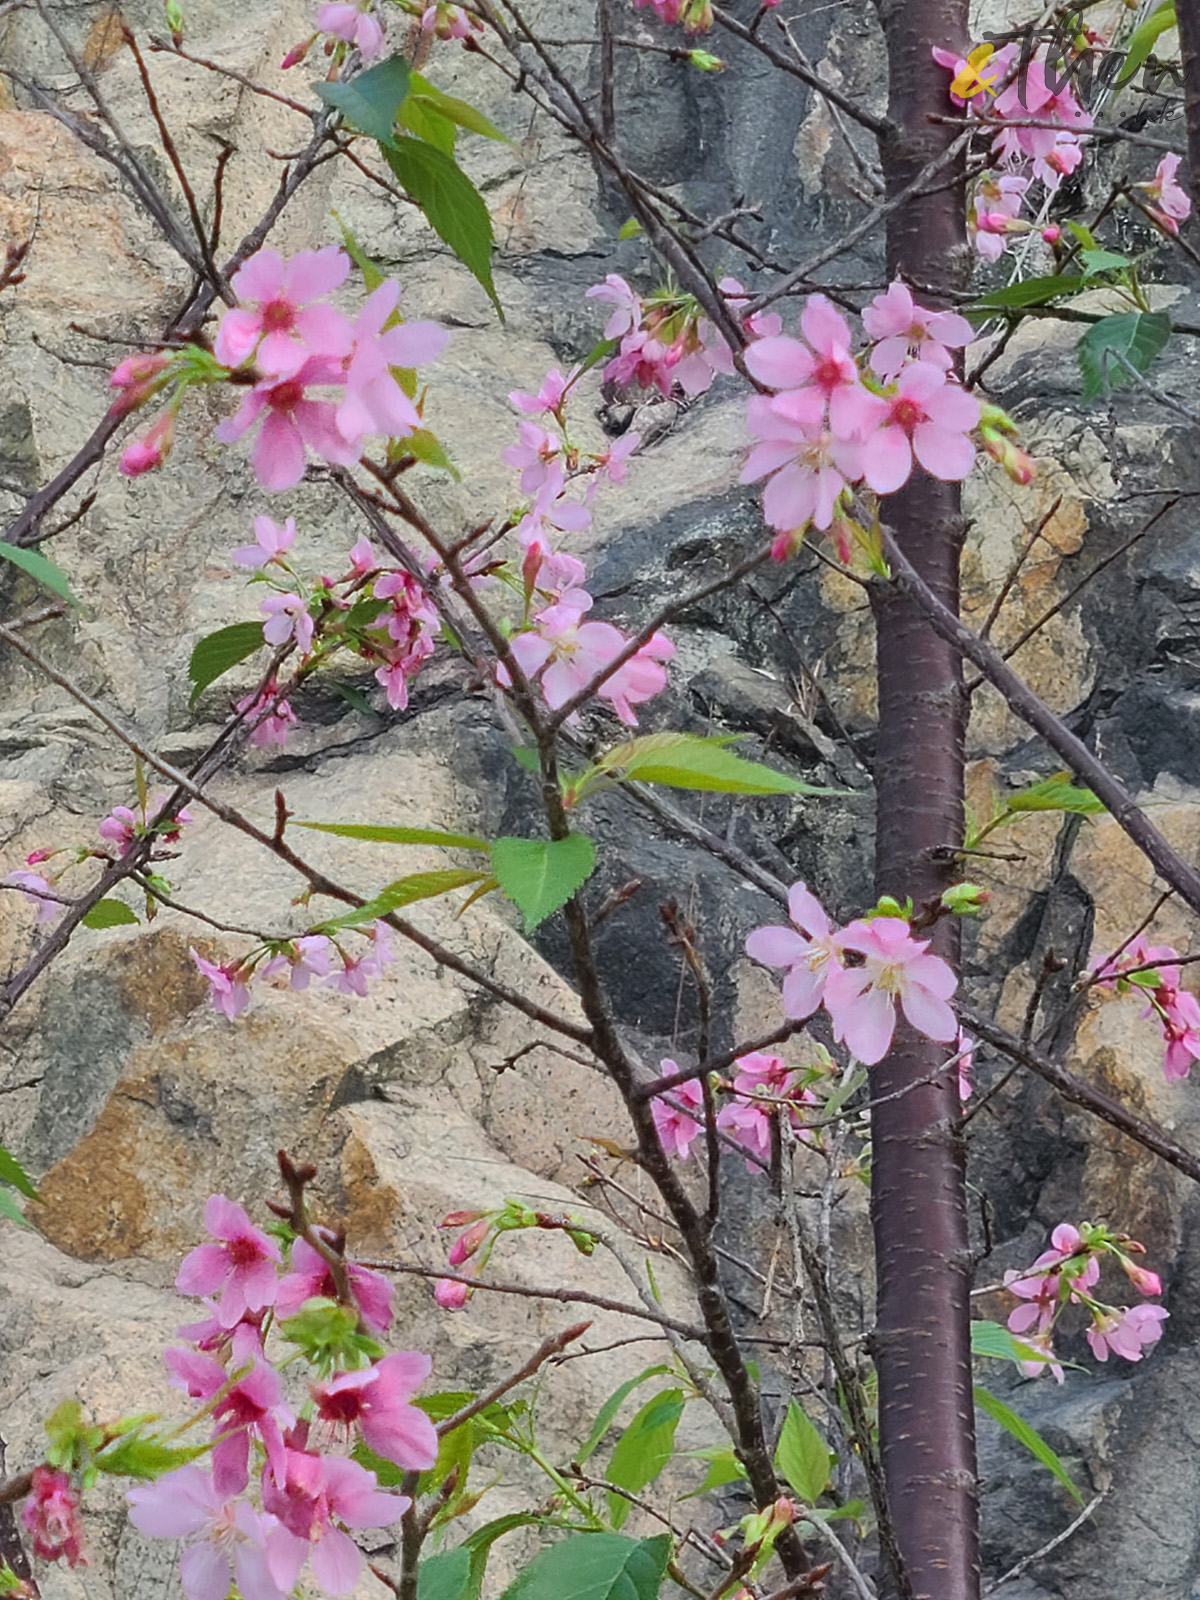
[704,62]
[174,15]
[1017,463]
[468,1242]
[1052,234]
[148,453]
[460,1219]
[298,52]
[451,1296]
[965,899]
[1142,1279]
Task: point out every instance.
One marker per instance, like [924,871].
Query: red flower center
[278,316]
[243,1252]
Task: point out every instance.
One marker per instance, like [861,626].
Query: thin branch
[1051,1544]
[551,1347]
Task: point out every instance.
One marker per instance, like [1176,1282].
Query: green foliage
[137,1455]
[1030,292]
[428,448]
[1136,336]
[217,652]
[453,110]
[688,761]
[327,1336]
[723,1467]
[444,1577]
[1144,37]
[994,1340]
[373,275]
[802,1455]
[371,101]
[450,201]
[110,914]
[643,1450]
[1026,1435]
[539,875]
[1056,793]
[595,1566]
[417,886]
[35,565]
[14,1176]
[606,1415]
[384,833]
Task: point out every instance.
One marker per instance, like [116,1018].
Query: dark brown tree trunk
[918,1196]
[1187,15]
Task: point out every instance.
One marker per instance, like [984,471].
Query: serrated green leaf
[444,1577]
[110,914]
[1097,261]
[373,275]
[1030,292]
[643,1450]
[995,1341]
[1143,39]
[608,1411]
[723,1467]
[1137,336]
[539,875]
[481,1541]
[1056,794]
[136,1456]
[384,833]
[802,1455]
[595,1566]
[459,111]
[688,761]
[10,1209]
[427,447]
[371,101]
[1026,1435]
[217,652]
[452,205]
[424,121]
[40,567]
[13,1173]
[405,892]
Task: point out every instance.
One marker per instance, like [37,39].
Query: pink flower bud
[465,1246]
[148,453]
[784,1511]
[1142,1279]
[449,1295]
[1018,463]
[298,52]
[459,1219]
[36,856]
[50,1516]
[1052,234]
[138,378]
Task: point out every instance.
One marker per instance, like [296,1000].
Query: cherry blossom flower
[362,557]
[374,401]
[551,513]
[271,719]
[376,1399]
[1043,1361]
[965,1050]
[148,453]
[270,543]
[564,650]
[137,378]
[534,456]
[1180,1016]
[638,679]
[228,985]
[761,325]
[404,636]
[861,1000]
[808,468]
[1170,205]
[237,1345]
[1126,1332]
[231,1542]
[50,1516]
[288,617]
[312,1496]
[929,418]
[809,949]
[450,21]
[549,397]
[820,374]
[356,24]
[291,420]
[613,461]
[676,1130]
[995,213]
[748,1121]
[627,310]
[358,973]
[310,1278]
[289,325]
[239,1268]
[450,1294]
[252,1405]
[906,331]
[35,889]
[1030,96]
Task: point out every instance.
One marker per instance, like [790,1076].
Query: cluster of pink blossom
[763,1087]
[1177,1010]
[666,338]
[827,427]
[889,966]
[1167,203]
[313,955]
[51,1518]
[471,1251]
[318,381]
[1065,1275]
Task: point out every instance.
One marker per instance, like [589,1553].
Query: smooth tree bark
[921,1340]
[1187,16]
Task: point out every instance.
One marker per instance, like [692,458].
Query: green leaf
[630,229]
[608,1411]
[38,566]
[427,447]
[136,1456]
[1056,794]
[802,1455]
[1085,235]
[481,1541]
[1026,1435]
[373,275]
[723,1467]
[451,203]
[217,652]
[444,1577]
[466,116]
[1144,37]
[1097,261]
[600,351]
[595,1566]
[424,120]
[370,102]
[643,1450]
[687,761]
[1138,336]
[1030,292]
[993,1340]
[13,1173]
[110,914]
[10,1209]
[381,833]
[404,892]
[539,875]
[352,696]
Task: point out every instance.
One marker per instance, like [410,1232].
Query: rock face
[132,1100]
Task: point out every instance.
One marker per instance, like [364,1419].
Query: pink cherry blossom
[1127,1333]
[228,985]
[270,543]
[534,456]
[252,1405]
[638,679]
[906,331]
[374,401]
[270,719]
[1044,1361]
[120,827]
[771,1073]
[1029,95]
[404,636]
[35,889]
[551,513]
[861,1000]
[549,397]
[230,1541]
[289,324]
[626,314]
[288,617]
[1170,204]
[310,1278]
[450,21]
[564,651]
[148,453]
[760,325]
[613,461]
[50,1516]
[676,1130]
[450,1294]
[809,949]
[291,420]
[376,1400]
[1180,1016]
[356,24]
[358,973]
[928,417]
[820,374]
[362,557]
[748,1121]
[239,1268]
[808,467]
[312,1495]
[236,1346]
